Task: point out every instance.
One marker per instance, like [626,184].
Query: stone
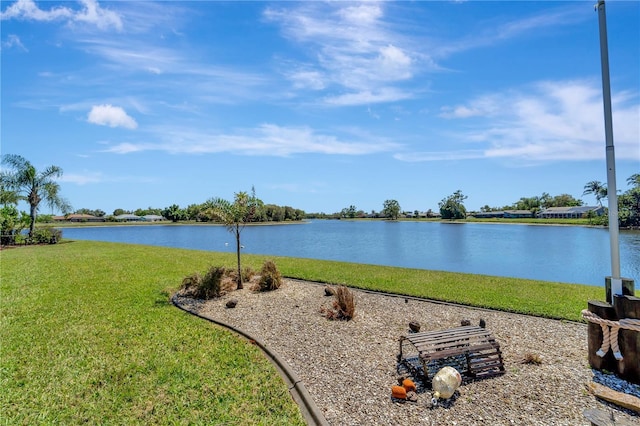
[329,291]
[232,303]
[465,322]
[414,326]
[482,323]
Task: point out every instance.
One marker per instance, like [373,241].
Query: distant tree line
[200,212]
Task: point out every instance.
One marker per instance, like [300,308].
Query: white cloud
[89,177]
[550,121]
[417,157]
[265,140]
[483,106]
[387,94]
[108,115]
[101,18]
[309,79]
[490,33]
[90,13]
[14,41]
[362,14]
[394,63]
[82,179]
[351,48]
[28,10]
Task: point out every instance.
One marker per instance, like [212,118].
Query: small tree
[174,213]
[32,186]
[629,203]
[349,212]
[391,209]
[235,216]
[452,207]
[11,224]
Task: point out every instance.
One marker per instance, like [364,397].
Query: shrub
[270,277]
[46,235]
[344,305]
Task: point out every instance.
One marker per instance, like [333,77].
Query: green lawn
[539,298]
[87,334]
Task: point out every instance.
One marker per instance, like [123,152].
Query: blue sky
[319,105]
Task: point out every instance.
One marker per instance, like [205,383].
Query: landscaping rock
[232,303]
[329,291]
[414,326]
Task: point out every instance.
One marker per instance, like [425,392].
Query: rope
[610,332]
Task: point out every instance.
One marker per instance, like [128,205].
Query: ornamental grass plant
[343,306]
[270,277]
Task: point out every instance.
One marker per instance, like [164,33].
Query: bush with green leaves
[46,235]
[12,223]
[270,277]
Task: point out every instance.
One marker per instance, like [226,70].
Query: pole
[612,193]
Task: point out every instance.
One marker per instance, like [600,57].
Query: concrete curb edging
[311,413]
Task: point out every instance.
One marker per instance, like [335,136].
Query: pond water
[569,254]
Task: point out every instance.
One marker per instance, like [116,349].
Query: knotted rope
[610,332]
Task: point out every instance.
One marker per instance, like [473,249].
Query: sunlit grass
[540,298]
[88,336]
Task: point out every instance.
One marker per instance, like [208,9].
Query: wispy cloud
[112,116]
[265,140]
[14,41]
[550,121]
[83,178]
[91,177]
[89,13]
[490,33]
[351,48]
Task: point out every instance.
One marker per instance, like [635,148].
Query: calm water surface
[553,253]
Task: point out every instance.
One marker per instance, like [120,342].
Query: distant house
[78,218]
[515,214]
[152,218]
[575,212]
[486,215]
[128,218]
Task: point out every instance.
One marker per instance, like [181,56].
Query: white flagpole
[612,194]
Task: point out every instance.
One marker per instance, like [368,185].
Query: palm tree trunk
[32,214]
[238,255]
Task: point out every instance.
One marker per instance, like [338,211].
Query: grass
[540,298]
[87,334]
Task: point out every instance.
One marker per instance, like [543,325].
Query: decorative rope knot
[609,334]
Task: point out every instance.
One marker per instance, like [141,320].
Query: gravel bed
[348,367]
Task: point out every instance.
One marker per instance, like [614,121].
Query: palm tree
[8,197]
[634,180]
[31,186]
[598,189]
[235,216]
